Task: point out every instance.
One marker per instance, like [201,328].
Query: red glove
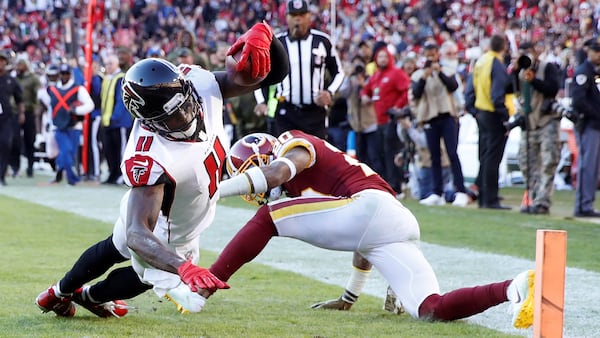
[255,45]
[199,278]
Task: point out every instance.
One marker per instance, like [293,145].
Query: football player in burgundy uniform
[172,162]
[335,202]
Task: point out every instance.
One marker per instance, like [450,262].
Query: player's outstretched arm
[261,179]
[278,65]
[360,274]
[144,206]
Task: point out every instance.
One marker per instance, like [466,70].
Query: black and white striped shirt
[310,60]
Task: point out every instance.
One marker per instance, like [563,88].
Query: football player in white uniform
[335,202]
[173,163]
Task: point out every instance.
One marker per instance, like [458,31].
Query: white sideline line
[455,267]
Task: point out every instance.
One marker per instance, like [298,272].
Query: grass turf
[40,244]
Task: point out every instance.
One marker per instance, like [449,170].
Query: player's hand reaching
[199,278]
[255,45]
[333,304]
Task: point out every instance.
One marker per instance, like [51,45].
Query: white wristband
[249,182]
[290,165]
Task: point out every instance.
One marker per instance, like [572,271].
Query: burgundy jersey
[330,171]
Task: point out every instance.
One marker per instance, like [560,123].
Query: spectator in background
[217,57]
[30,84]
[539,148]
[449,60]
[361,116]
[409,63]
[155,52]
[586,102]
[185,56]
[371,65]
[45,110]
[187,40]
[9,89]
[365,53]
[408,132]
[387,89]
[305,94]
[116,120]
[432,91]
[125,56]
[484,98]
[337,130]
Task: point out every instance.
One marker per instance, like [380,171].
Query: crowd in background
[48,29]
[200,31]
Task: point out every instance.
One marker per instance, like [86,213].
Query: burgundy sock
[465,302]
[245,245]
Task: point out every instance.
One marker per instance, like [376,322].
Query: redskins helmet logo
[132,100]
[254,141]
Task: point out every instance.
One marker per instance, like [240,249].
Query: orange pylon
[526,201]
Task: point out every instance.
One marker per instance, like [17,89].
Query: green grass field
[40,244]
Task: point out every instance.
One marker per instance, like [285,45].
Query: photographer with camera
[539,147]
[361,116]
[432,96]
[413,137]
[586,102]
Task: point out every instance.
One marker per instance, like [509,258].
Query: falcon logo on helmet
[133,102]
[164,101]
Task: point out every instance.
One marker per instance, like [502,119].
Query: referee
[315,75]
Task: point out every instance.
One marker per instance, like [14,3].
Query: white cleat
[186,300]
[392,304]
[520,293]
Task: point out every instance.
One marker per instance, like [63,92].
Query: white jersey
[192,168]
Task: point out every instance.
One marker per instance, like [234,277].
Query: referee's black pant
[307,118]
[492,140]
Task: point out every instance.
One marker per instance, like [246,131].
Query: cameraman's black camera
[524,62]
[517,121]
[358,69]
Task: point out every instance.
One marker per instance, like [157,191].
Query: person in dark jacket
[586,102]
[9,88]
[485,98]
[30,84]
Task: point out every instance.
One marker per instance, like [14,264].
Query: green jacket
[30,83]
